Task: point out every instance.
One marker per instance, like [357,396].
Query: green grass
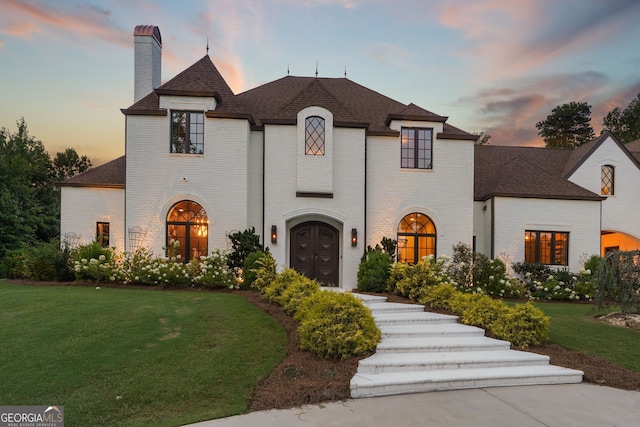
[126,357]
[574,327]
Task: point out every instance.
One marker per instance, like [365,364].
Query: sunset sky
[489,65]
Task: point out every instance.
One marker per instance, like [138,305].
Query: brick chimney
[147,60]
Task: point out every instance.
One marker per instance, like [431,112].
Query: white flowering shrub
[212,271]
[545,283]
[93,262]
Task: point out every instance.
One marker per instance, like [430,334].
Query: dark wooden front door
[315,252]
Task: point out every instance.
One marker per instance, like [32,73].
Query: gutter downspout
[264,149]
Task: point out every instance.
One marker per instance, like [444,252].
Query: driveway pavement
[565,405]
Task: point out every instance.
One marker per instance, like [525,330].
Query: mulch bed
[301,378]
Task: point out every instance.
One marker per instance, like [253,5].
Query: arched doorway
[315,251]
[188,224]
[416,238]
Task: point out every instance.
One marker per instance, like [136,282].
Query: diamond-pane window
[607,174]
[314,136]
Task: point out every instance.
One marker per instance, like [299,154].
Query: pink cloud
[83,22]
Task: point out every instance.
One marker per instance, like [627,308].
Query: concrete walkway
[565,405]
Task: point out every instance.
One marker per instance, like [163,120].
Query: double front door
[315,251]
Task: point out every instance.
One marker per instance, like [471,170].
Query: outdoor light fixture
[274,234]
[354,237]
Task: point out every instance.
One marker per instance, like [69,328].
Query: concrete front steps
[422,351]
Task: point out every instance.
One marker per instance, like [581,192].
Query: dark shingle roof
[280,101]
[525,172]
[108,175]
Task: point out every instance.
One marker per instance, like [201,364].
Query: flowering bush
[544,283]
[141,267]
[212,271]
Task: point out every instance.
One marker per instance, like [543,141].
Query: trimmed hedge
[523,325]
[336,325]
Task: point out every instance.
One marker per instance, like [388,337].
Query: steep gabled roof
[108,175]
[200,79]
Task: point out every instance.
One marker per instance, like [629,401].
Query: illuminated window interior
[416,238]
[188,224]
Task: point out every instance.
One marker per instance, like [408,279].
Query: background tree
[568,126]
[29,201]
[483,138]
[624,124]
[68,163]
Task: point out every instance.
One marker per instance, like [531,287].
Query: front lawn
[574,327]
[132,357]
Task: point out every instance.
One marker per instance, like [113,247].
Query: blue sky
[489,65]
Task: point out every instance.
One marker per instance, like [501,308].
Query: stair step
[366,298]
[447,344]
[413,317]
[369,385]
[393,307]
[403,362]
[425,330]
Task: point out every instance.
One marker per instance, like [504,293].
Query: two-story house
[324,167]
[321,167]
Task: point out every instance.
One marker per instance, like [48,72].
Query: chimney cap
[148,30]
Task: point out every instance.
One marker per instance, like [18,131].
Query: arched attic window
[607,178]
[314,136]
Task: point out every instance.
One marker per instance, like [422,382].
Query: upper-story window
[314,136]
[607,175]
[417,148]
[187,132]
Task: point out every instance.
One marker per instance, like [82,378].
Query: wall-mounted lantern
[274,234]
[354,237]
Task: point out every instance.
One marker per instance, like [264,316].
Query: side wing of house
[610,170]
[89,214]
[526,210]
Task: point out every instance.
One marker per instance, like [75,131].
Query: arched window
[187,224]
[314,136]
[607,175]
[416,238]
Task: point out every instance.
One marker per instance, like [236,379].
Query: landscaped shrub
[242,244]
[336,325]
[14,264]
[299,289]
[523,325]
[265,269]
[438,296]
[42,261]
[544,283]
[410,279]
[373,272]
[212,271]
[619,281]
[273,291]
[477,309]
[249,269]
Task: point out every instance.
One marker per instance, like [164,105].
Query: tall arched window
[188,224]
[416,238]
